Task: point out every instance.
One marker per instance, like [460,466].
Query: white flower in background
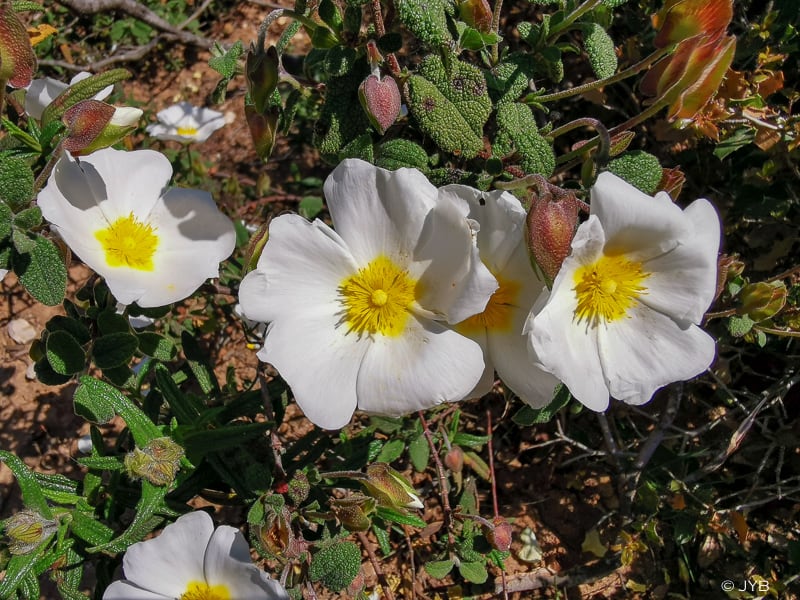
[186,123]
[621,317]
[191,560]
[41,92]
[498,329]
[358,316]
[153,245]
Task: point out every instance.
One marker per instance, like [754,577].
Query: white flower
[357,315]
[41,92]
[191,560]
[621,317]
[498,329]
[153,245]
[186,123]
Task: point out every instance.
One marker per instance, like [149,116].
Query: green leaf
[75,328]
[64,353]
[198,364]
[383,539]
[472,441]
[109,321]
[144,520]
[28,218]
[391,451]
[16,182]
[201,442]
[439,569]
[399,152]
[640,169]
[6,216]
[224,61]
[336,565]
[89,529]
[32,494]
[452,115]
[310,206]
[474,572]
[46,375]
[114,350]
[95,400]
[600,48]
[101,463]
[511,78]
[419,452]
[426,19]
[738,139]
[58,488]
[518,133]
[157,346]
[24,242]
[186,411]
[738,326]
[342,119]
[402,518]
[527,416]
[17,570]
[42,272]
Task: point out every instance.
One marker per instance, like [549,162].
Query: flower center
[202,591]
[377,298]
[187,131]
[128,242]
[497,314]
[608,288]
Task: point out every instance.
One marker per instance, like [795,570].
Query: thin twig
[376,565]
[490,449]
[443,488]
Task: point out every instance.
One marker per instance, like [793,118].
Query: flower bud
[261,70]
[477,14]
[353,512]
[550,225]
[390,488]
[298,488]
[380,99]
[762,300]
[501,535]
[672,181]
[454,459]
[158,462]
[92,125]
[679,20]
[255,247]
[26,530]
[263,129]
[17,60]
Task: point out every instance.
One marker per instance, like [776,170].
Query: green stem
[593,85]
[48,168]
[781,332]
[572,17]
[602,135]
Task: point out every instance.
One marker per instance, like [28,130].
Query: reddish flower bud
[501,535]
[381,101]
[691,76]
[679,20]
[672,181]
[92,125]
[551,223]
[454,459]
[476,14]
[17,60]
[261,71]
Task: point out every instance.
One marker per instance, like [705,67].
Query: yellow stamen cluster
[498,312]
[377,298]
[128,242]
[187,131]
[608,288]
[197,590]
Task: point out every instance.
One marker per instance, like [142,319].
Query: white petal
[206,129]
[124,590]
[454,281]
[649,350]
[486,382]
[566,348]
[302,266]
[425,366]
[134,181]
[636,224]
[319,361]
[40,93]
[227,562]
[378,211]
[73,197]
[509,352]
[166,564]
[172,115]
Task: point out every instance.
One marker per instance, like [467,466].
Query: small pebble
[21,331]
[85,444]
